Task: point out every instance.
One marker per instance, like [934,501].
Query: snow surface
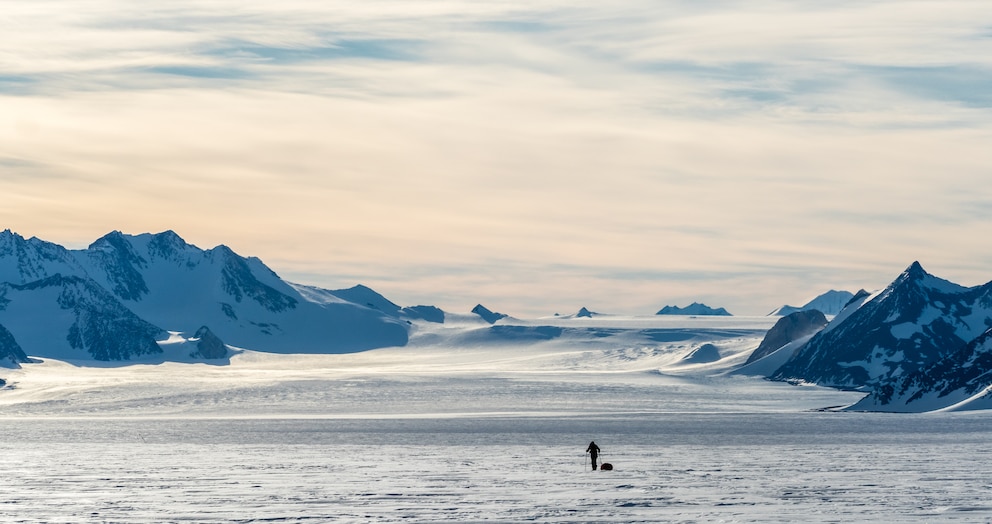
[477,423]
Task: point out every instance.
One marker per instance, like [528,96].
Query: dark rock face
[428,313]
[167,245]
[9,348]
[584,313]
[209,345]
[122,265]
[103,327]
[486,314]
[916,323]
[788,328]
[240,282]
[965,372]
[23,261]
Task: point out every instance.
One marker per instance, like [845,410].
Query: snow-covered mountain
[693,309]
[829,303]
[27,260]
[70,317]
[916,337]
[142,286]
[962,380]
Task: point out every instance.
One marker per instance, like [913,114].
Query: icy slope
[576,367]
[789,328]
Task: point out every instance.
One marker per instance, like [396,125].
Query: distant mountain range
[922,343]
[120,298]
[694,309]
[829,303]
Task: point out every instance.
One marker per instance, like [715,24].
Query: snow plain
[472,423]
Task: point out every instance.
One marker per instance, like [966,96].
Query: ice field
[472,425]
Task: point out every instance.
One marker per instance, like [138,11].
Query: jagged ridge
[918,322]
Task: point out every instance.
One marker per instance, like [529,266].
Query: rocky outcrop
[788,328]
[487,315]
[208,345]
[695,308]
[10,350]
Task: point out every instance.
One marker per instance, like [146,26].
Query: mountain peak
[915,271]
[916,276]
[487,314]
[114,238]
[367,297]
[167,244]
[585,313]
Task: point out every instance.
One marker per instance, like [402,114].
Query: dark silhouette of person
[593,451]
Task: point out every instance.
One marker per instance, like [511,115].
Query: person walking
[593,451]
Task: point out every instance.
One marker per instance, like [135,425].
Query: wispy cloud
[741,151]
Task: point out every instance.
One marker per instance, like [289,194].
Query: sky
[536,157]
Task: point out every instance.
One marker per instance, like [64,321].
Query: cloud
[474,149]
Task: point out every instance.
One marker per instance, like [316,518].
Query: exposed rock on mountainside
[486,314]
[166,283]
[963,378]
[693,309]
[585,313]
[56,315]
[787,329]
[10,352]
[920,335]
[428,313]
[208,345]
[23,261]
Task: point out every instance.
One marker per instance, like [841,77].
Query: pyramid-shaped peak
[915,275]
[168,244]
[115,239]
[915,270]
[487,314]
[169,236]
[585,313]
